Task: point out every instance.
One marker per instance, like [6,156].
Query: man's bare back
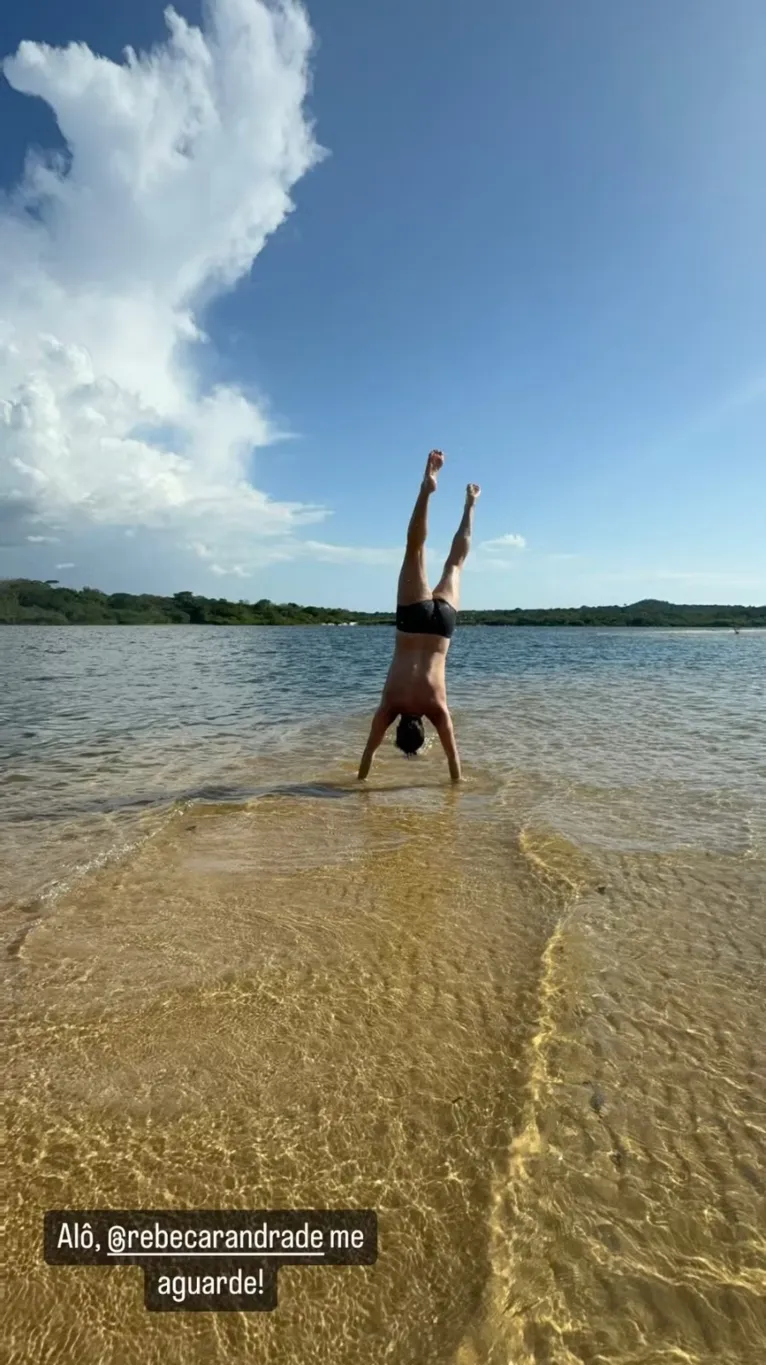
[416,685]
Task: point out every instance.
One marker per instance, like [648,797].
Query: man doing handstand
[425,623]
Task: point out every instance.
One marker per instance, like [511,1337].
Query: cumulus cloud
[509,542]
[180,164]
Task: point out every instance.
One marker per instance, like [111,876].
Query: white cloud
[288,550]
[181,165]
[236,571]
[509,542]
[692,576]
[345,554]
[65,566]
[43,540]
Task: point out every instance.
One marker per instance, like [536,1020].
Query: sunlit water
[522,1018]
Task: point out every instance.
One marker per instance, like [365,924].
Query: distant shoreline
[30,602]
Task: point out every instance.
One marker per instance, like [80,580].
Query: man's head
[410,735]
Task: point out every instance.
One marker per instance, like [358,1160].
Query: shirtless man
[425,622]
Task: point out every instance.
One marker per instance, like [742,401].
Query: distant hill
[25,601]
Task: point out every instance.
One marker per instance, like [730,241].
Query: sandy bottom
[541,1064]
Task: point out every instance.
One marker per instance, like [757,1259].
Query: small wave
[206,794]
[42,904]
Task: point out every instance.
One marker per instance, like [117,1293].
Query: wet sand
[540,1061]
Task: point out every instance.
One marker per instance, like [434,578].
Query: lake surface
[523,1018]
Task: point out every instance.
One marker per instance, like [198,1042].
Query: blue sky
[530,234]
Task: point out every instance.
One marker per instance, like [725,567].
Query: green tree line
[29,602]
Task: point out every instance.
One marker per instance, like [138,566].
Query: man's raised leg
[413,580]
[461,542]
[448,586]
[418,527]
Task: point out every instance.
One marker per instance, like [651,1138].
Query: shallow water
[522,1018]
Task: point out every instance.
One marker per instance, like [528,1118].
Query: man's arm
[380,723]
[443,724]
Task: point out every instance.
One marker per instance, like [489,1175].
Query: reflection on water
[522,1018]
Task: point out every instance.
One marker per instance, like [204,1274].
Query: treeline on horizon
[29,602]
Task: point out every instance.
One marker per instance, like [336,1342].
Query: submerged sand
[540,1062]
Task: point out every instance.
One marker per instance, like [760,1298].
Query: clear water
[523,1018]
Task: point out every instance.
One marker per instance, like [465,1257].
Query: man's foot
[433,465]
[472,492]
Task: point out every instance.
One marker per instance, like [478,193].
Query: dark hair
[410,735]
